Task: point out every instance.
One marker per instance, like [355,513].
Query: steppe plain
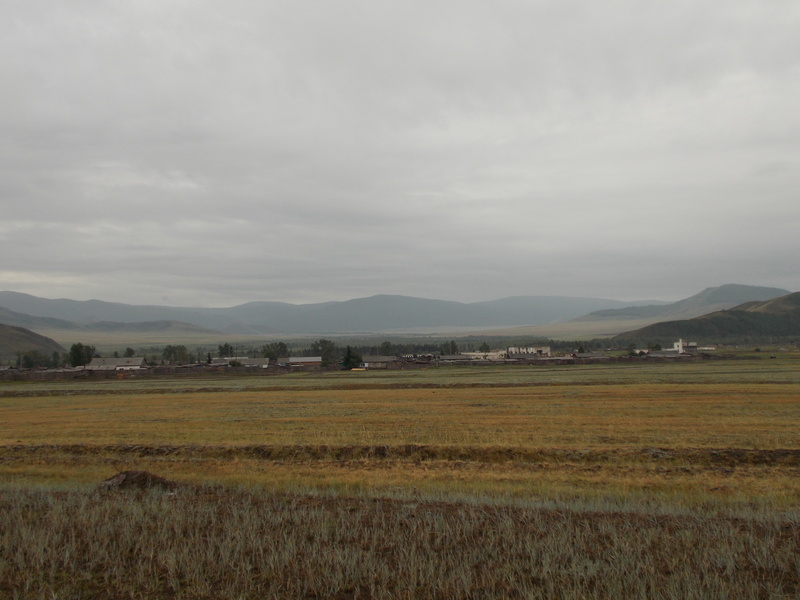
[647,479]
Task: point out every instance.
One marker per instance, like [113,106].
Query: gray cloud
[212,154]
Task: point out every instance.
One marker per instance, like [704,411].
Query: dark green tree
[327,350]
[33,359]
[76,355]
[449,347]
[129,352]
[275,350]
[386,349]
[225,350]
[352,359]
[80,354]
[484,347]
[176,354]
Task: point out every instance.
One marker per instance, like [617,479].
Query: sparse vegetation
[214,543]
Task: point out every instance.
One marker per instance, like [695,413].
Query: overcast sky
[212,153]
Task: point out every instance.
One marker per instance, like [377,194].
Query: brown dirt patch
[137,480]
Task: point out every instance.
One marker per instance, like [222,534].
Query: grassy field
[658,480]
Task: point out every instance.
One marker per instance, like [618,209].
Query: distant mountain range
[381,313]
[377,314]
[774,318]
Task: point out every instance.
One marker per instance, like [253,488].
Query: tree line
[331,353]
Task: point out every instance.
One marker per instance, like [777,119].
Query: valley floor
[659,481]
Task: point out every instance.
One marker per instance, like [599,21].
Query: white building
[533,351]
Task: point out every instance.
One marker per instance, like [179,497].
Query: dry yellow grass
[611,431]
[761,416]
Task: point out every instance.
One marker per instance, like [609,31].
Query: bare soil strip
[727,457]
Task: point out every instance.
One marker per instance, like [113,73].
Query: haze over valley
[67,321]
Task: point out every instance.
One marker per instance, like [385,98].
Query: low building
[252,363]
[453,359]
[239,361]
[300,363]
[133,363]
[491,355]
[381,362]
[590,356]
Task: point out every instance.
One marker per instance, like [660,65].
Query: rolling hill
[611,322]
[81,312]
[777,318]
[18,339]
[16,319]
[709,300]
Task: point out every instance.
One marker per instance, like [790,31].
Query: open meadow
[657,480]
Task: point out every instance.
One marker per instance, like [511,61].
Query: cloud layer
[209,154]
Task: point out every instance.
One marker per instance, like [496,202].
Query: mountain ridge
[382,313]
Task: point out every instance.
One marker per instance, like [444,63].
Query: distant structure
[679,348]
[240,361]
[527,351]
[490,355]
[381,362]
[133,363]
[301,363]
[682,347]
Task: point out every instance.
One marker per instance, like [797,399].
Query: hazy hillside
[81,312]
[374,314]
[396,313]
[18,339]
[709,300]
[154,326]
[611,322]
[775,318]
[16,319]
[549,309]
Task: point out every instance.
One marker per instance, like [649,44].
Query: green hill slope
[18,339]
[778,318]
[709,300]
